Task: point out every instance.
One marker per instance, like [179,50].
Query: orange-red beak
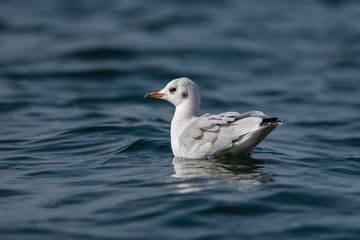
[154,95]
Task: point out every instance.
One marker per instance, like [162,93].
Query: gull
[195,136]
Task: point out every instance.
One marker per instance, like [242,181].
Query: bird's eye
[172,90]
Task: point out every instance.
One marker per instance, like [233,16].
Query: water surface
[83,156]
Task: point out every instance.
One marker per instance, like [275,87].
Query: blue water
[83,156]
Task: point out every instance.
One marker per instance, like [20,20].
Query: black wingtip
[271,121]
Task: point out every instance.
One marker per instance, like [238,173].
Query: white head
[180,91]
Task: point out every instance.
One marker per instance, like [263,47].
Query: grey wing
[211,135]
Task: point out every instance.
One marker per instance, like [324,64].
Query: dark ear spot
[185,95]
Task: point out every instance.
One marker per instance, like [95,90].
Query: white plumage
[210,136]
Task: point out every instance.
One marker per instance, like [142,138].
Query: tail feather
[271,121]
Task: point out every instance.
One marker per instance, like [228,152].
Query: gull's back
[229,133]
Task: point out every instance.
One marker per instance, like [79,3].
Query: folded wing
[214,135]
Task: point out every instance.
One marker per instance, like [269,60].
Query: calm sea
[83,156]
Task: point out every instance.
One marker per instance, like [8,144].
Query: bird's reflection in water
[199,174]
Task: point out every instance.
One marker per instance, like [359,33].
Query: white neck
[187,110]
[184,112]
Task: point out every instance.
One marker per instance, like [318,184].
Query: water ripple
[83,156]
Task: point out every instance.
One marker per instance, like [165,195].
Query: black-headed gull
[210,136]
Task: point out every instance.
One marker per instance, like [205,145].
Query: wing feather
[213,134]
